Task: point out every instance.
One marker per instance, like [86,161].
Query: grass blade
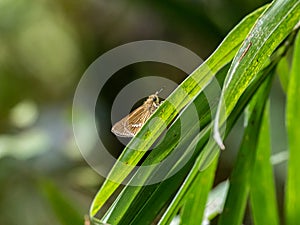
[283,72]
[240,178]
[274,25]
[147,206]
[262,190]
[192,86]
[195,201]
[293,129]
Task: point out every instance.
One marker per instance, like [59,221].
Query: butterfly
[132,123]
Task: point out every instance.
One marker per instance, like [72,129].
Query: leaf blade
[196,198]
[292,205]
[240,178]
[192,85]
[262,190]
[270,30]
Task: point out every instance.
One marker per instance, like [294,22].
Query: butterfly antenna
[160,90]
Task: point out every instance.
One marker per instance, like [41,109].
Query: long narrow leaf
[176,101]
[283,72]
[293,129]
[195,201]
[150,207]
[262,190]
[240,179]
[274,25]
[203,164]
[180,152]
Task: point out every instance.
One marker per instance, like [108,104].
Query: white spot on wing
[137,125]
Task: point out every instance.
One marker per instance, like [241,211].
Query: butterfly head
[154,99]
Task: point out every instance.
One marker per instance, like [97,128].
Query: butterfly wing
[137,119]
[131,124]
[119,129]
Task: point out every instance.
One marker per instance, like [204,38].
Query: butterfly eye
[154,98]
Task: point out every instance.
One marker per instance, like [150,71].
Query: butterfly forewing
[120,129]
[131,124]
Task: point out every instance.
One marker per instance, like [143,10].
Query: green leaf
[273,26]
[216,200]
[133,198]
[262,190]
[147,202]
[131,202]
[191,87]
[293,129]
[195,201]
[283,71]
[241,175]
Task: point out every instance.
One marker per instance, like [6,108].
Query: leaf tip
[219,140]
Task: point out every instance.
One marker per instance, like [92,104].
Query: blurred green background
[45,47]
